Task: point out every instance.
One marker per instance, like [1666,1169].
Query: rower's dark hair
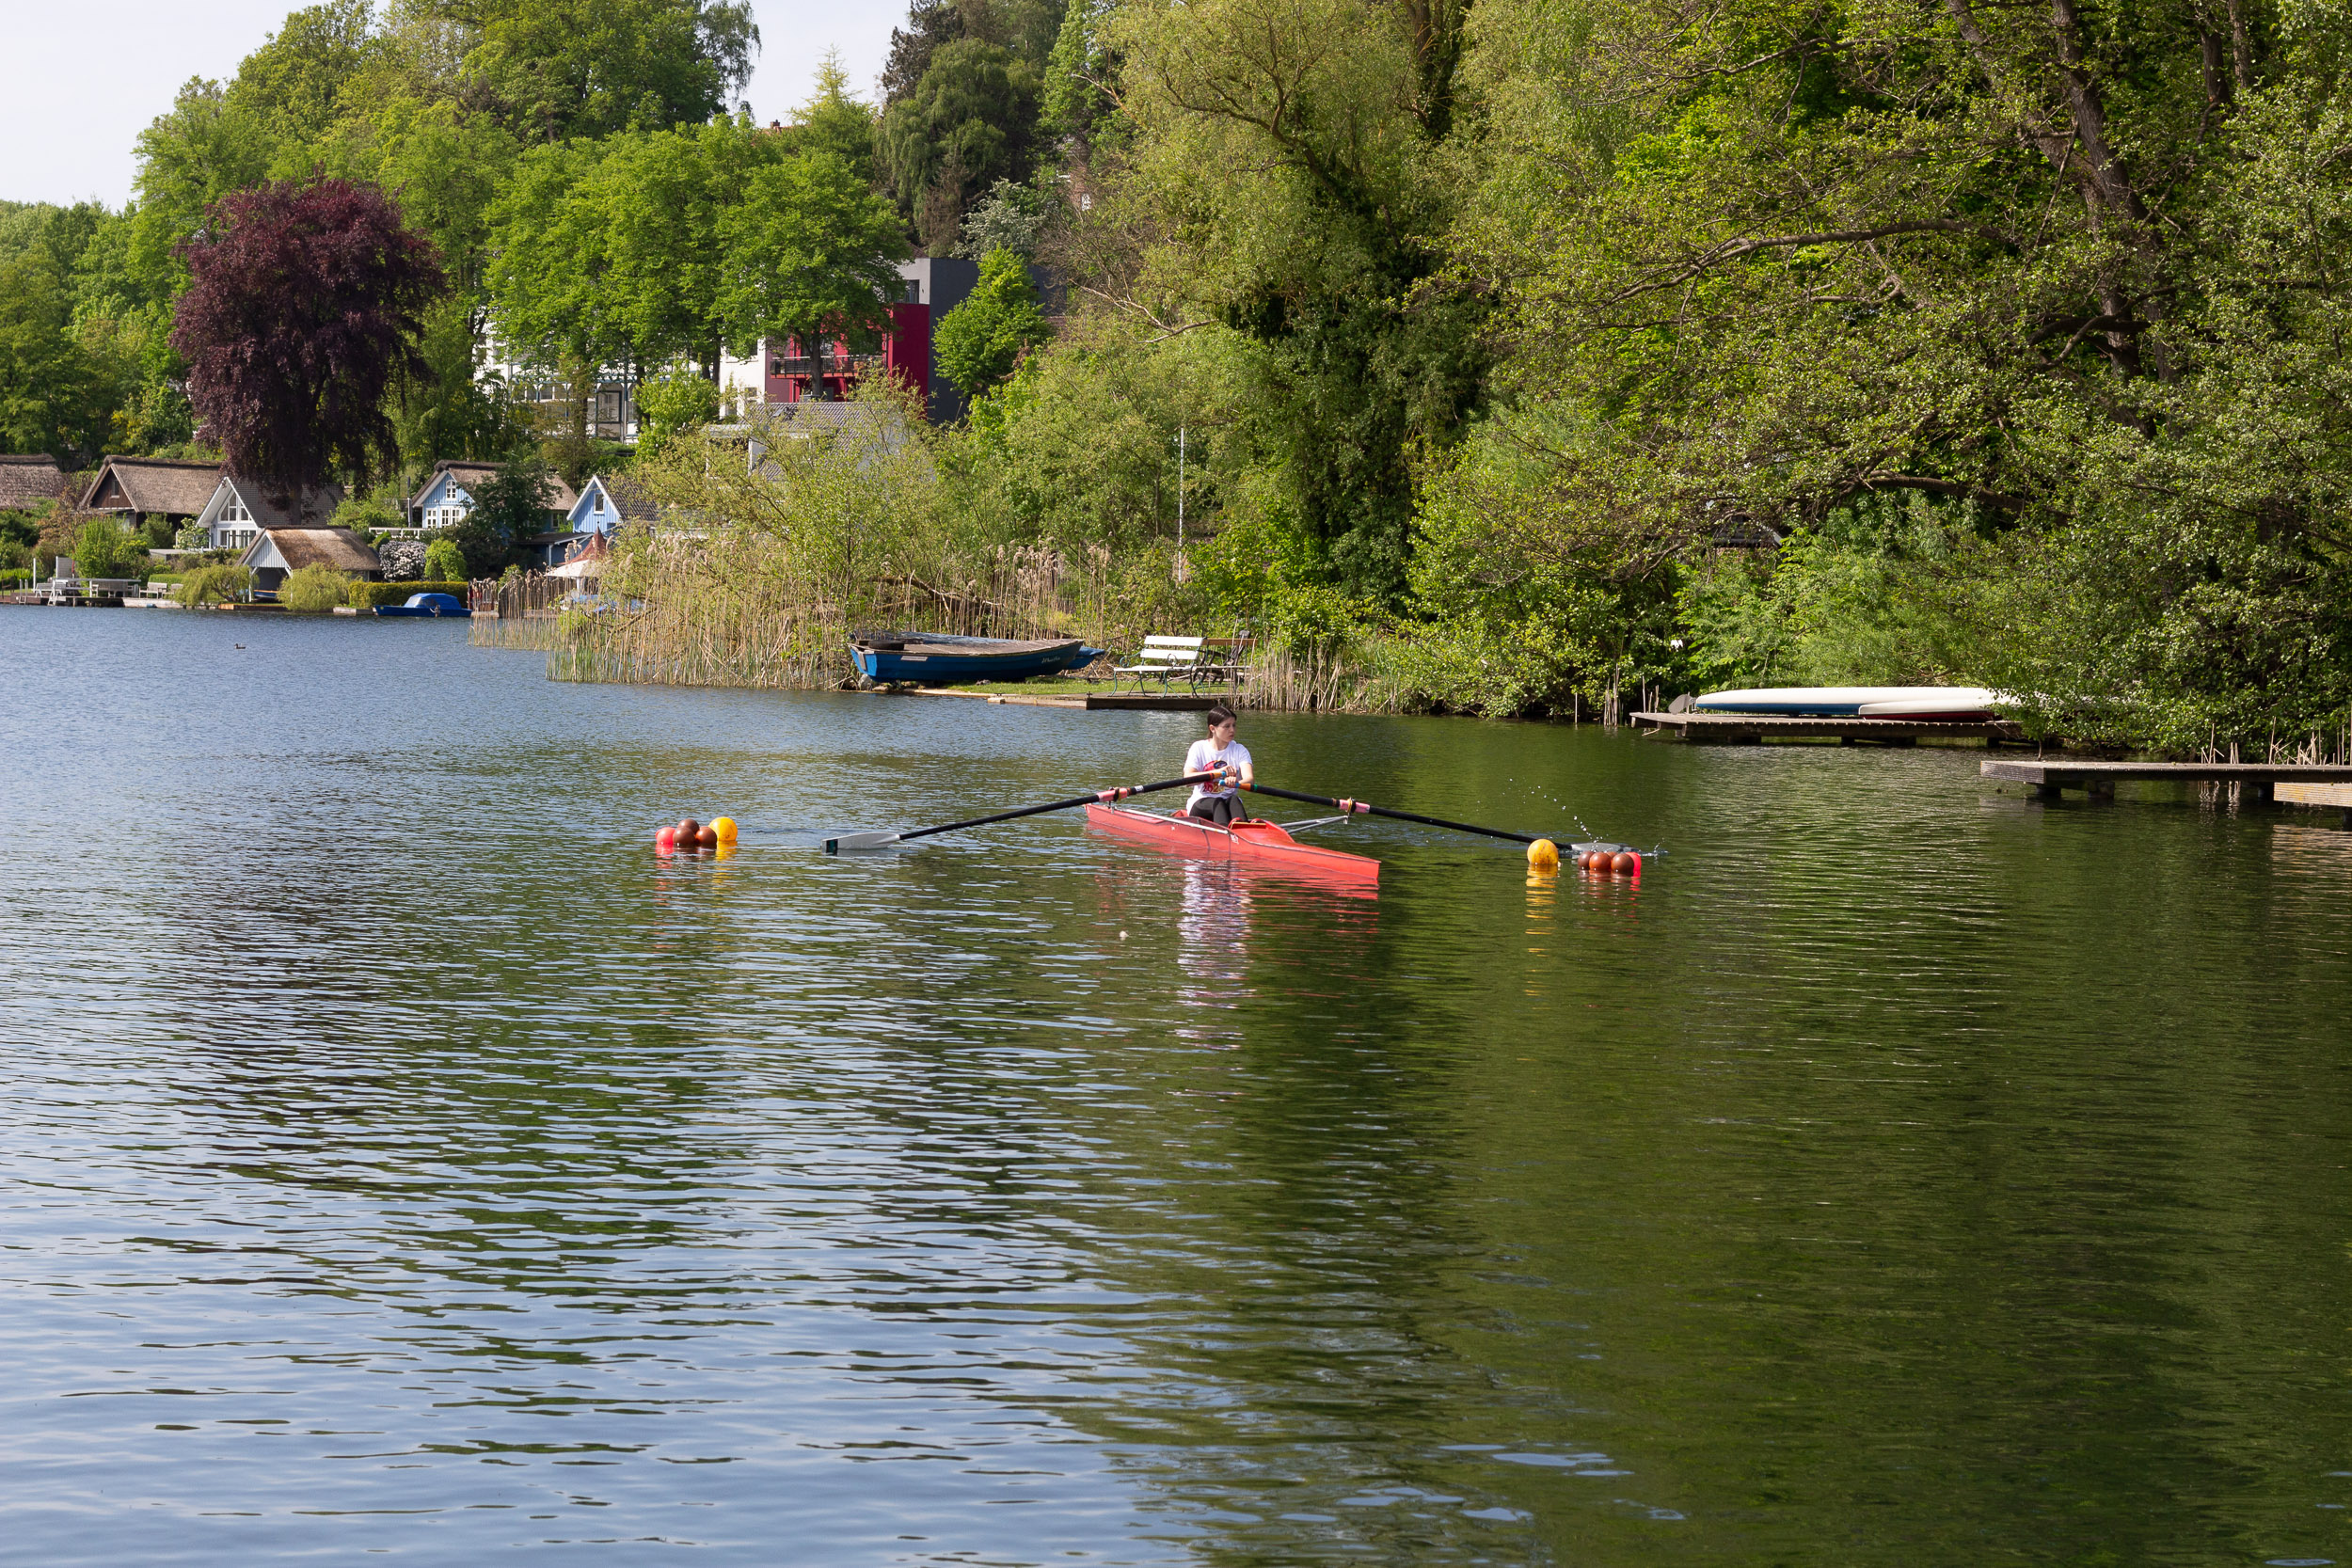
[1220,715]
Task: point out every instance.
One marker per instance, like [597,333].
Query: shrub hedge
[367,595]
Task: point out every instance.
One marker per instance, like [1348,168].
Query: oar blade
[859,841]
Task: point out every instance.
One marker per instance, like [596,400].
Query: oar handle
[1370,810]
[1099,797]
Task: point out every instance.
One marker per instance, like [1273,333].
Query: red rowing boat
[1253,842]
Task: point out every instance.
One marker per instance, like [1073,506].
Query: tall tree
[811,254]
[301,319]
[981,340]
[1294,155]
[55,397]
[589,68]
[970,121]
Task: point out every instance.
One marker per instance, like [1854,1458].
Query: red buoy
[666,840]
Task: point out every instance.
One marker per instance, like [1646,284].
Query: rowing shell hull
[1253,843]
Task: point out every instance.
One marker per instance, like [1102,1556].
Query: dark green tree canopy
[967,124]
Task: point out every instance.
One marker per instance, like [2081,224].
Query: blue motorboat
[426,604]
[935,659]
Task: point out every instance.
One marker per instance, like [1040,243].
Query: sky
[87,75]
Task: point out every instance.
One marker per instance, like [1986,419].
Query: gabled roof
[627,497]
[29,479]
[163,486]
[281,508]
[338,547]
[470,477]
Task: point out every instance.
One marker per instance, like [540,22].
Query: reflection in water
[405,1160]
[1212,942]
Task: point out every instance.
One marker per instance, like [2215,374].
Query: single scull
[1255,841]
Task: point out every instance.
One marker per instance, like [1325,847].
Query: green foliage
[372,514]
[681,398]
[296,83]
[1079,448]
[967,124]
[508,509]
[104,548]
[313,589]
[445,560]
[362,595]
[1010,217]
[1076,73]
[834,121]
[811,252]
[559,69]
[1298,157]
[55,396]
[212,584]
[980,340]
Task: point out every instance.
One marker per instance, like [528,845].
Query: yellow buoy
[726,829]
[1544,855]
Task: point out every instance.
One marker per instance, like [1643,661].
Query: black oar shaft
[1063,805]
[1383,811]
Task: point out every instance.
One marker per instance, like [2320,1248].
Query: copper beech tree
[302,314]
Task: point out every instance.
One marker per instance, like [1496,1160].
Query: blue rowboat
[426,604]
[934,659]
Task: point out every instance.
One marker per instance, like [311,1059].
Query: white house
[238,511]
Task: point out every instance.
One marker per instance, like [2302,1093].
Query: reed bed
[771,550]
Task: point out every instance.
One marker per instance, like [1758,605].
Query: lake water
[400,1159]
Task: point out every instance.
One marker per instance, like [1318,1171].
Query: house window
[234,512]
[607,407]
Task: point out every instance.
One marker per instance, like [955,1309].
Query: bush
[445,560]
[368,517]
[104,549]
[313,589]
[213,585]
[367,595]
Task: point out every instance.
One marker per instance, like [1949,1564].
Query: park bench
[1193,659]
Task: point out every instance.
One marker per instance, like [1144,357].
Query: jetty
[1150,702]
[2256,781]
[1753,729]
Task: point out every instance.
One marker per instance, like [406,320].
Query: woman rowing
[1220,753]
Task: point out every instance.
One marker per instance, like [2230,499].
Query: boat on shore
[1256,842]
[427,604]
[1924,704]
[935,659]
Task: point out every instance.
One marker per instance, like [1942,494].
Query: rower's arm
[1249,774]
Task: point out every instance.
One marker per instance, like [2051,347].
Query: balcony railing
[853,364]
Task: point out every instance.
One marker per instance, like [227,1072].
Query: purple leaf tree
[302,314]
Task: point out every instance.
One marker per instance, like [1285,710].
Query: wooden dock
[1150,702]
[2256,781]
[1753,729]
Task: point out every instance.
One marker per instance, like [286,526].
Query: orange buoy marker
[707,838]
[1625,863]
[1543,855]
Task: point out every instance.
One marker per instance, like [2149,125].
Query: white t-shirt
[1206,754]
